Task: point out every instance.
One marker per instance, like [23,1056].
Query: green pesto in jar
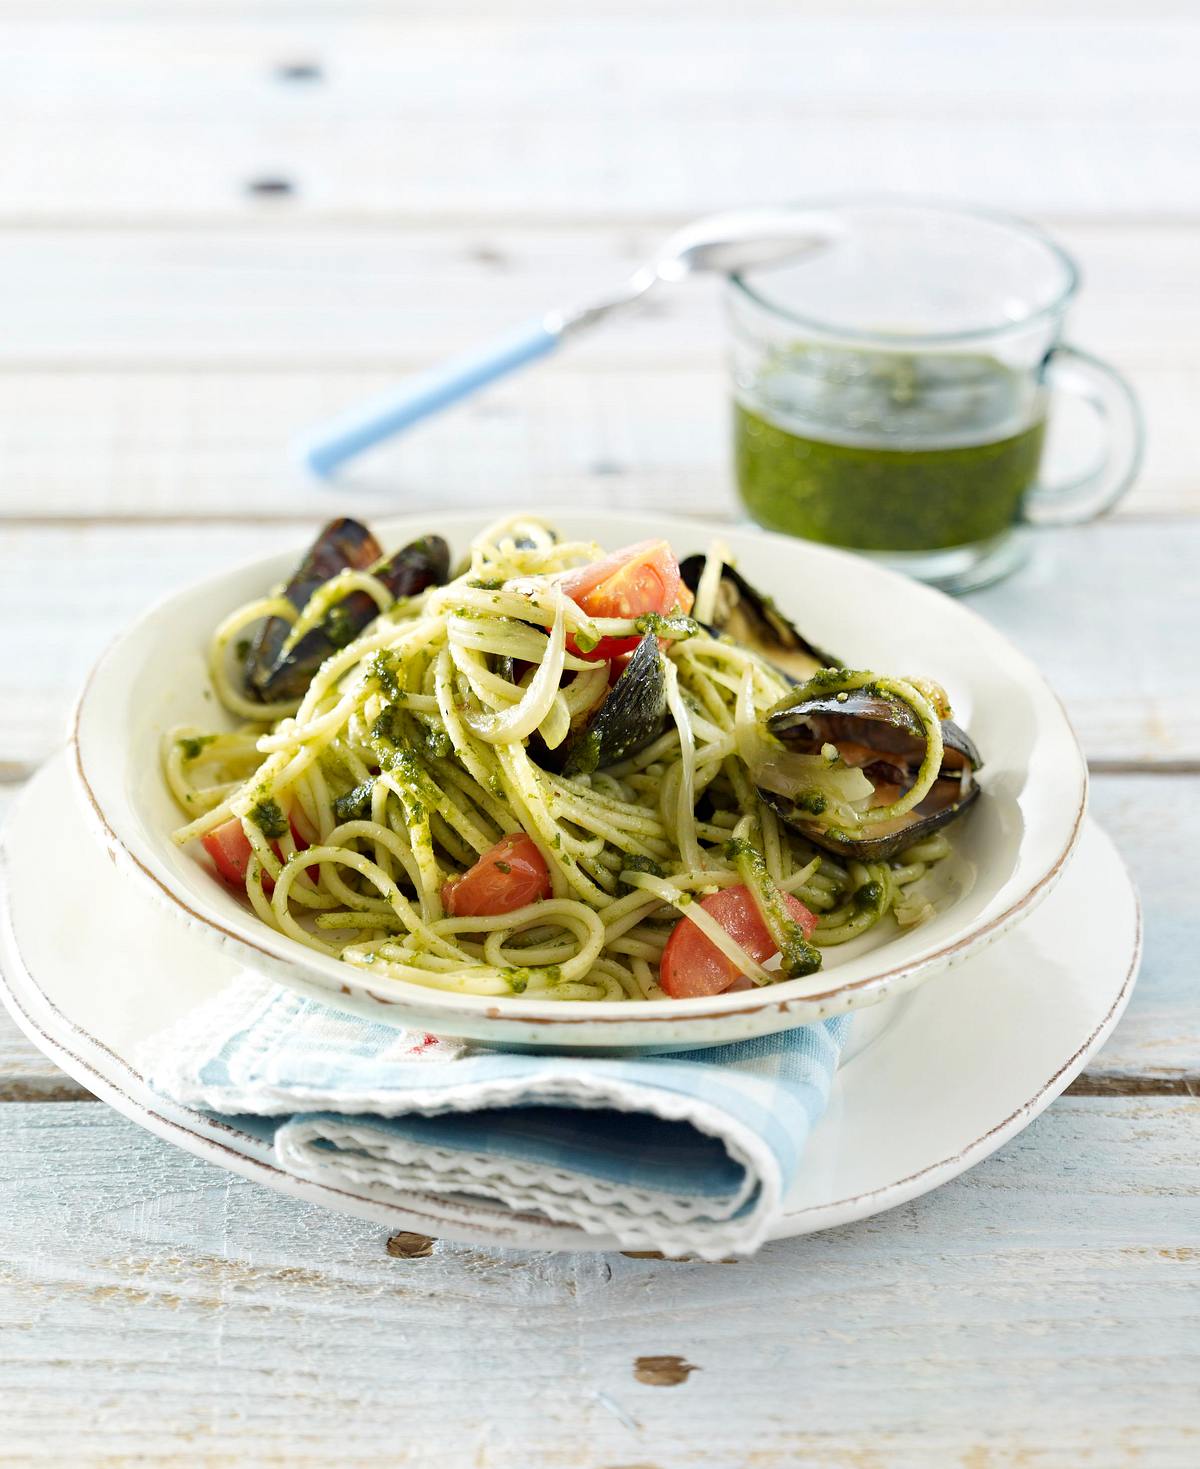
[888,452]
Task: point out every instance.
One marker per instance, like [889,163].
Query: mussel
[271,673]
[882,737]
[752,619]
[343,544]
[630,717]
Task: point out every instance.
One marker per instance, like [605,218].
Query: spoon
[743,239]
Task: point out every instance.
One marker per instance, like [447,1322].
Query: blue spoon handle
[422,395]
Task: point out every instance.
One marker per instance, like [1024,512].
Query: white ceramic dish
[931,1082]
[1010,849]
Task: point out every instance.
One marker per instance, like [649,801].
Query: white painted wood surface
[453,168]
[174,444]
[228,342]
[1034,1312]
[606,113]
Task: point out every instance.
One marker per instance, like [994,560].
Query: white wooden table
[218,222]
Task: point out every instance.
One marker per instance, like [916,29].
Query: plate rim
[762,1009]
[68,1043]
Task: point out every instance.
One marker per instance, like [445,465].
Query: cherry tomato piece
[629,583]
[693,965]
[230,849]
[506,877]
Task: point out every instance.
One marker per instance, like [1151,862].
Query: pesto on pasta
[560,772]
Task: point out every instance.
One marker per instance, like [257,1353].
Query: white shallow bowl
[1009,850]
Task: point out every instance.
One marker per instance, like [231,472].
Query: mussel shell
[864,718]
[343,544]
[890,728]
[752,619]
[630,718]
[422,563]
[918,824]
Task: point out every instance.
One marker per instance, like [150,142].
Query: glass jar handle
[1113,402]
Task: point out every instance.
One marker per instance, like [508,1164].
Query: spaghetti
[350,814]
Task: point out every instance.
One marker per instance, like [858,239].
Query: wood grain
[196,446]
[204,444]
[1151,820]
[334,296]
[503,11]
[224,219]
[230,343]
[160,1310]
[423,117]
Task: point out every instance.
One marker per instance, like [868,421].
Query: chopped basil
[191,745]
[268,816]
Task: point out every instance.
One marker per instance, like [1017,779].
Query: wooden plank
[135,11]
[229,344]
[27,1076]
[1156,1046]
[1152,820]
[424,117]
[87,582]
[204,444]
[1097,608]
[269,295]
[265,1331]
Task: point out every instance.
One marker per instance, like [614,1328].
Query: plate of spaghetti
[583,780]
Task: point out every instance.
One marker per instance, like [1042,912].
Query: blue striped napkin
[689,1153]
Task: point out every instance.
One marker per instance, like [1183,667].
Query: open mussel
[270,672]
[881,736]
[629,717]
[344,544]
[752,619]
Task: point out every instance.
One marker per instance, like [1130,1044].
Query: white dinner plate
[1009,850]
[932,1081]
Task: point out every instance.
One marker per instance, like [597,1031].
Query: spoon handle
[426,393]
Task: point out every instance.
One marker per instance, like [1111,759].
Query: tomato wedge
[506,877]
[629,583]
[693,965]
[230,849]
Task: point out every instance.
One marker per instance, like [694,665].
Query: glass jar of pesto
[891,390]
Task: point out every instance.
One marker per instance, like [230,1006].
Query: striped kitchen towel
[690,1153]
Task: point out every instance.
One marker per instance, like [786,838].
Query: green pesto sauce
[889,452]
[193,745]
[355,805]
[585,757]
[518,977]
[268,816]
[636,862]
[385,668]
[436,742]
[339,627]
[797,955]
[676,628]
[869,898]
